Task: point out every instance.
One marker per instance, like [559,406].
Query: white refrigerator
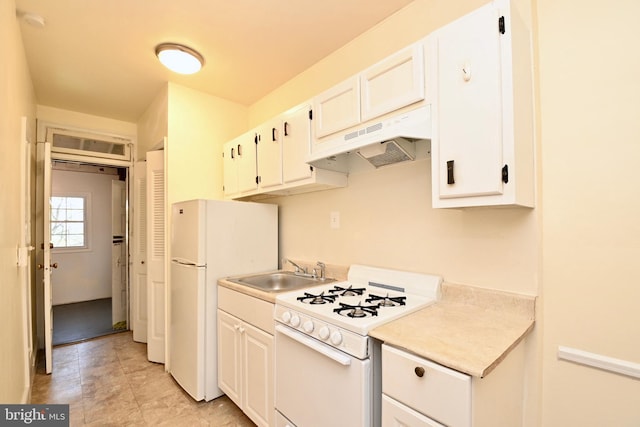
[211,239]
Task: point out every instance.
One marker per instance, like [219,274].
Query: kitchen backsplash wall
[386,220]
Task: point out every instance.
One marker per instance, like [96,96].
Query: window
[69,222]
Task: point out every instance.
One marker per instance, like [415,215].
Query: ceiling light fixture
[179,58]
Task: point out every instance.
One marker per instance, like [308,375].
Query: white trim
[599,361]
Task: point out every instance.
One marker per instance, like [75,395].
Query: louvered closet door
[155,256]
[139,273]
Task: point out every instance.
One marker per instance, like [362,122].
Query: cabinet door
[338,108]
[395,414]
[296,140]
[247,167]
[230,167]
[393,83]
[258,376]
[270,154]
[229,356]
[467,106]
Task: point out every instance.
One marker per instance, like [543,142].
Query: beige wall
[16,100]
[198,125]
[590,122]
[153,124]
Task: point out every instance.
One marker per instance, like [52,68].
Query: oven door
[317,385]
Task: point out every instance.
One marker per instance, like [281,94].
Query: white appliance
[327,367]
[211,239]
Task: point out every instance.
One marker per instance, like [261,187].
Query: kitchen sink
[279,281]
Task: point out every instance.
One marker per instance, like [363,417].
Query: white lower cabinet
[417,393]
[246,354]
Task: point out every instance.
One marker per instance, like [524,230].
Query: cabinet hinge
[310,114]
[501,25]
[505,174]
[258,179]
[256,139]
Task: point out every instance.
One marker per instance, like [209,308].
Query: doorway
[74,148]
[89,228]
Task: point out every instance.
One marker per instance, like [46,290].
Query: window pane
[59,241]
[75,240]
[75,203]
[75,215]
[58,202]
[75,228]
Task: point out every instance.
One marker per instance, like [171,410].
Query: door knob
[40,266]
[54,265]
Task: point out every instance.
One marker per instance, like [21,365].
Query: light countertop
[470,329]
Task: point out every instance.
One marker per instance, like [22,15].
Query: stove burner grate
[317,299]
[346,292]
[356,311]
[386,301]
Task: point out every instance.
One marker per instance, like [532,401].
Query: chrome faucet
[322,266]
[298,268]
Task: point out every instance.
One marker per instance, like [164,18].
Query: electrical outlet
[334,219]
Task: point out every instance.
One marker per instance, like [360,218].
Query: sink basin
[278,281]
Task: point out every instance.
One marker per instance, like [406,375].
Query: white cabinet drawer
[440,393]
[255,311]
[395,414]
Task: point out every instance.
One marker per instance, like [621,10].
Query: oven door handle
[315,345]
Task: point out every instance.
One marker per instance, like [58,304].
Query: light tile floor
[108,381]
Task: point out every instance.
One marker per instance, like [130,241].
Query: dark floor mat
[82,320]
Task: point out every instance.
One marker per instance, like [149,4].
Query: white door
[187,328]
[296,140]
[156,255]
[46,265]
[467,107]
[139,267]
[270,154]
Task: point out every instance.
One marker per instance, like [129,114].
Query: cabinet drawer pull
[419,370]
[450,179]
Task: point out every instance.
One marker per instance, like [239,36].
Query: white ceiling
[97,56]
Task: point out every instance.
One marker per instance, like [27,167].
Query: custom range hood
[381,142]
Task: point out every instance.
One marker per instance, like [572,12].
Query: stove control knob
[308,326]
[336,338]
[286,316]
[295,321]
[323,333]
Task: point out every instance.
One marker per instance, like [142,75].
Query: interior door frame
[43,294]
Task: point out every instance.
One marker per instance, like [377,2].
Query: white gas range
[324,355]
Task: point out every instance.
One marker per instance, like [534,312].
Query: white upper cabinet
[246,162]
[482,110]
[272,159]
[393,83]
[230,167]
[337,108]
[357,106]
[296,140]
[269,147]
[239,165]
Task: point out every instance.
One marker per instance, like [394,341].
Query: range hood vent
[381,142]
[388,152]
